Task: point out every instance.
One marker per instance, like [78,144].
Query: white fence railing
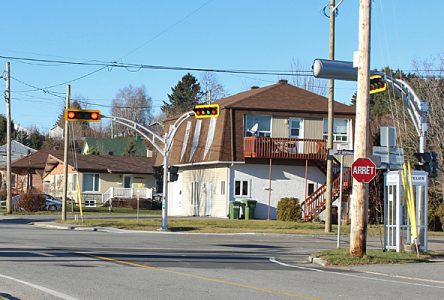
[114,192]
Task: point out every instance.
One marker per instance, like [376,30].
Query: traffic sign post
[363,170]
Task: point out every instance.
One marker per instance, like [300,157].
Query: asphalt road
[37,263]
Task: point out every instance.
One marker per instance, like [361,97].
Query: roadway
[39,263]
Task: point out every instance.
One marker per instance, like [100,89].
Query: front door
[127,181]
[195,197]
[209,206]
[296,131]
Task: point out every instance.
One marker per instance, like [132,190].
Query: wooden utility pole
[8,140]
[358,229]
[65,156]
[328,202]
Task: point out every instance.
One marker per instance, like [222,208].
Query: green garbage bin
[249,207]
[234,209]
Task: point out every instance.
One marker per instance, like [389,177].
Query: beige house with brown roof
[270,136]
[100,177]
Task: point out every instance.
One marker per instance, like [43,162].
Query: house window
[222,187]
[90,182]
[311,188]
[90,203]
[74,182]
[340,130]
[13,180]
[257,125]
[241,188]
[295,128]
[127,181]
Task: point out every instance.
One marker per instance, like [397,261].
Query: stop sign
[363,170]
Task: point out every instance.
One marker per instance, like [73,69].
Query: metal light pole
[166,142]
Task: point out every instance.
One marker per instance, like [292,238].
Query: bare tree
[134,104]
[211,86]
[304,80]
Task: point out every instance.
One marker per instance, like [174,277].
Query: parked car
[51,203]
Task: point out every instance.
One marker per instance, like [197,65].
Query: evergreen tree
[3,129]
[36,139]
[185,95]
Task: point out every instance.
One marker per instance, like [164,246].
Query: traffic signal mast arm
[343,70]
[150,135]
[417,108]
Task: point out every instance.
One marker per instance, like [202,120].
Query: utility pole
[8,140]
[328,202]
[358,229]
[65,156]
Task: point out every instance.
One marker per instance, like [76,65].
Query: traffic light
[83,115]
[433,165]
[377,84]
[206,111]
[173,173]
[428,161]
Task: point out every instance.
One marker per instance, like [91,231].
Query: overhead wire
[167,68]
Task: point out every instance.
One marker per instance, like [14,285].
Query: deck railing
[266,147]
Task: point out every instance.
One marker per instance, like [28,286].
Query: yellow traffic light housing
[83,115]
[203,111]
[377,84]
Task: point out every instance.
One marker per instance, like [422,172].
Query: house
[27,171]
[117,146]
[267,143]
[56,132]
[18,150]
[99,178]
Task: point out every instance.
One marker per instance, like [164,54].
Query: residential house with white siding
[272,136]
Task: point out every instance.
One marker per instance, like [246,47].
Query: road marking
[231,283]
[41,288]
[43,253]
[272,259]
[404,277]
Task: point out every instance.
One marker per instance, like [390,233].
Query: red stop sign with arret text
[363,170]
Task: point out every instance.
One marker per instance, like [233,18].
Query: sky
[279,35]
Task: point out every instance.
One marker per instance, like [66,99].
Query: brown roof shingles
[106,163]
[281,98]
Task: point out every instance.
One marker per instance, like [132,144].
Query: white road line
[41,288]
[43,254]
[273,260]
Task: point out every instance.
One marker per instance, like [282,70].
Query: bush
[31,202]
[289,209]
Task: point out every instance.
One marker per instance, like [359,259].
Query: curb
[317,261]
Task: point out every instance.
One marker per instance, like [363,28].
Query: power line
[163,67]
[37,88]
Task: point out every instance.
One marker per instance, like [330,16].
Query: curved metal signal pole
[164,150]
[416,107]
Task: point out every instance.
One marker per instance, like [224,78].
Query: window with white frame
[222,187]
[340,130]
[91,182]
[74,182]
[241,188]
[295,127]
[257,125]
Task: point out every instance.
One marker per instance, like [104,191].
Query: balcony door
[296,131]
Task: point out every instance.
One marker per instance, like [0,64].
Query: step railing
[315,202]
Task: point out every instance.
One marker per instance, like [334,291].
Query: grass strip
[342,257]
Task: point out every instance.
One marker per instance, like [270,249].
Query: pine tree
[185,95]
